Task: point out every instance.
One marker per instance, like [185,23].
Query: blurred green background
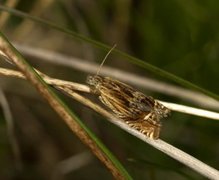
[179,36]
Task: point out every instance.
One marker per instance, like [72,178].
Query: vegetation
[173,42]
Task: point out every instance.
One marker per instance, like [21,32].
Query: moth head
[161,110]
[94,80]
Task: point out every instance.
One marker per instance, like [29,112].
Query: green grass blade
[132,59]
[104,148]
[101,146]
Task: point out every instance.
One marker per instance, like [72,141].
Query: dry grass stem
[191,110]
[11,53]
[168,149]
[49,80]
[88,67]
[68,85]
[159,144]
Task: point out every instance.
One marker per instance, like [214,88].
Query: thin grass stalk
[159,144]
[65,113]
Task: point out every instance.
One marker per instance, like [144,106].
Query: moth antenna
[101,65]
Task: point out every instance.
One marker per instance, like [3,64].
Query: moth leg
[145,128]
[152,118]
[134,124]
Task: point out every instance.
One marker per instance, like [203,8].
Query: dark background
[179,36]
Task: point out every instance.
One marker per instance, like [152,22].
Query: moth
[139,111]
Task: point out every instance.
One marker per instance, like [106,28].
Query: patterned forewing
[139,111]
[119,97]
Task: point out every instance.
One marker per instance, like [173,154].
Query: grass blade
[74,123]
[132,59]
